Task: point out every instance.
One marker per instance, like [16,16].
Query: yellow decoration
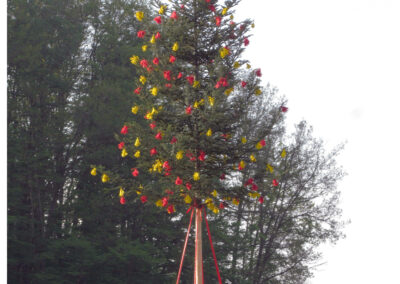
[224,11]
[252,158]
[196,84]
[139,15]
[153,40]
[159,203]
[258,146]
[228,91]
[223,52]
[248,66]
[188,199]
[196,176]
[142,79]
[196,104]
[179,155]
[253,25]
[211,100]
[283,154]
[124,153]
[135,109]
[235,201]
[231,17]
[144,48]
[154,91]
[215,210]
[258,92]
[214,193]
[138,192]
[209,132]
[137,142]
[93,172]
[242,164]
[244,140]
[201,102]
[137,154]
[121,192]
[270,168]
[236,65]
[162,9]
[105,178]
[134,59]
[175,47]
[254,194]
[157,166]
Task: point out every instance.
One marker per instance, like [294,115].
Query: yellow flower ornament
[93,172]
[139,15]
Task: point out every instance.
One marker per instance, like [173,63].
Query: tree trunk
[198,256]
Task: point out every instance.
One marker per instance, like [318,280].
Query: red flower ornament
[275,182]
[158,136]
[178,181]
[246,41]
[143,198]
[137,90]
[174,15]
[157,36]
[135,172]
[218,21]
[124,130]
[152,125]
[121,145]
[284,109]
[156,61]
[261,200]
[172,59]
[158,19]
[173,140]
[141,34]
[189,110]
[258,72]
[167,75]
[122,200]
[144,63]
[153,151]
[244,84]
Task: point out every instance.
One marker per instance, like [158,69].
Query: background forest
[69,90]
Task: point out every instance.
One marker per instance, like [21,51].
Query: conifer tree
[193,93]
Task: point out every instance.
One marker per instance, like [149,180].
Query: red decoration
[144,63]
[221,83]
[173,140]
[158,19]
[156,61]
[137,90]
[254,187]
[244,84]
[262,142]
[166,165]
[240,167]
[190,79]
[143,198]
[261,200]
[249,181]
[221,205]
[122,200]
[141,34]
[222,177]
[164,201]
[246,41]
[153,151]
[258,72]
[158,136]
[202,156]
[183,7]
[157,36]
[188,186]
[168,191]
[168,85]
[172,59]
[121,145]
[189,110]
[174,15]
[179,75]
[211,7]
[152,125]
[171,209]
[167,75]
[178,181]
[275,182]
[135,172]
[218,21]
[124,130]
[284,109]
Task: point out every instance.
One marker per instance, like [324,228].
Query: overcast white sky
[338,63]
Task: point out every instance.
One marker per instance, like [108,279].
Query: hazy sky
[338,63]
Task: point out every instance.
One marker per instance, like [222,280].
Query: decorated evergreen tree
[185,144]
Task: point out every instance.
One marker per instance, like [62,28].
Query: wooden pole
[198,256]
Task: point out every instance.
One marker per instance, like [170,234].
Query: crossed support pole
[198,256]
